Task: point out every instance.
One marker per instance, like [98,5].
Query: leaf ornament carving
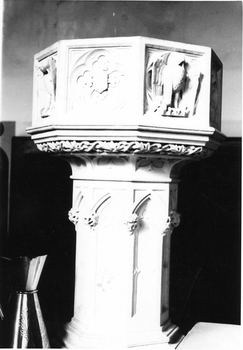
[91,219]
[125,147]
[132,223]
[73,215]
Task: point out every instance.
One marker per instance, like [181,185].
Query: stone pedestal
[123,228]
[127,114]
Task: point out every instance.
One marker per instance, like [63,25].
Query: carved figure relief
[97,80]
[46,91]
[173,83]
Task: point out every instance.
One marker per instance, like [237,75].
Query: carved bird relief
[173,84]
[168,83]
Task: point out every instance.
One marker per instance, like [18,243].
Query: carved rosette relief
[173,82]
[46,72]
[97,80]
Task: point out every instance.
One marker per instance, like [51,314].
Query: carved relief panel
[173,82]
[46,81]
[133,80]
[97,80]
[182,83]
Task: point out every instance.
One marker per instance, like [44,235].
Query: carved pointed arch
[92,216]
[141,202]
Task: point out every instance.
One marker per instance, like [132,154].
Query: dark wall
[206,246]
[41,196]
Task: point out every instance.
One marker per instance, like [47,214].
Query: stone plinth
[127,114]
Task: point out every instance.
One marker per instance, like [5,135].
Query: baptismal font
[127,114]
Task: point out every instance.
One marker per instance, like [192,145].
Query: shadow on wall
[205,255]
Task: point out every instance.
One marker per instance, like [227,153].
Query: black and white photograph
[120,175]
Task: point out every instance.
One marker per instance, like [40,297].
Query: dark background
[205,254]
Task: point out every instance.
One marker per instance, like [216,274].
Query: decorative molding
[131,147]
[149,164]
[173,221]
[23,323]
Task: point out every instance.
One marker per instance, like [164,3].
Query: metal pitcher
[23,325]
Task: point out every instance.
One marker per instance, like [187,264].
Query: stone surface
[213,336]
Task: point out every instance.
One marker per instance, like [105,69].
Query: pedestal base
[123,229]
[153,341]
[167,338]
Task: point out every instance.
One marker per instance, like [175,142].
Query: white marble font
[127,114]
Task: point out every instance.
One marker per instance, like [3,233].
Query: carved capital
[91,219]
[132,223]
[73,215]
[173,221]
